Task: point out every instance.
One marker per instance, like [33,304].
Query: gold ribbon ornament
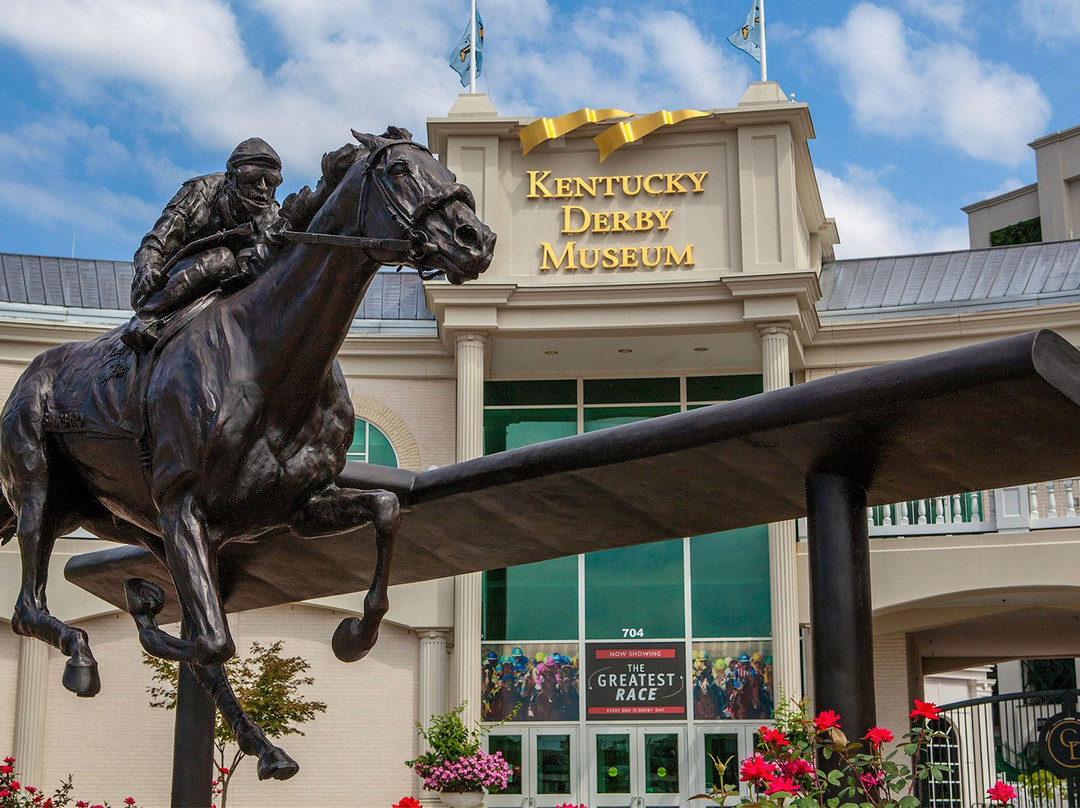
[544,129]
[620,134]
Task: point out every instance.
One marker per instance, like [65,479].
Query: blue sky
[920,107]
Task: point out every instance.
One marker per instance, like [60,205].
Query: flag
[462,54]
[748,38]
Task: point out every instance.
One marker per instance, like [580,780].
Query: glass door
[637,766]
[728,744]
[544,766]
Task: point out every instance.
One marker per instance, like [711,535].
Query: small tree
[266,684]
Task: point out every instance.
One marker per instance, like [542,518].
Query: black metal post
[193,742]
[842,635]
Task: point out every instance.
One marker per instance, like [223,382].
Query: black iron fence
[997,738]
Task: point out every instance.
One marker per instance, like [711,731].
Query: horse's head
[407,194]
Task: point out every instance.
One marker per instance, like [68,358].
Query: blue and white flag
[748,38]
[461,56]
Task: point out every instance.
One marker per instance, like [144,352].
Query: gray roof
[939,283]
[86,290]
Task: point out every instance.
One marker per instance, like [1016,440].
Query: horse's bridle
[416,245]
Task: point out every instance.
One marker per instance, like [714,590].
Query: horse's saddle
[103,390]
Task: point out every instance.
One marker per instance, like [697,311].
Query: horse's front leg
[273,761]
[192,561]
[334,510]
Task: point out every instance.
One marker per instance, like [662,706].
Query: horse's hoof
[82,678]
[275,764]
[346,641]
[144,598]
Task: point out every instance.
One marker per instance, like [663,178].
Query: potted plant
[455,765]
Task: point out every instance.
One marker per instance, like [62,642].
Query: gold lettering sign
[578,219]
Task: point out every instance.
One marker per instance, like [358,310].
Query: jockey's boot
[142,333]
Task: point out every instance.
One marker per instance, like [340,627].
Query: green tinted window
[729,575]
[532,601]
[530,393]
[635,592]
[510,746]
[512,428]
[631,391]
[604,417]
[722,388]
[370,445]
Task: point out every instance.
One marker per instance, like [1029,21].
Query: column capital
[471,336]
[768,329]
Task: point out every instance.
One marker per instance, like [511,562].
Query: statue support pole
[193,742]
[841,624]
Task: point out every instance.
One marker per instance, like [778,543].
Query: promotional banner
[634,681]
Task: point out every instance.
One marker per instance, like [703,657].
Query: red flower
[877,736]
[9,760]
[5,769]
[826,719]
[770,735]
[796,768]
[129,800]
[4,792]
[407,802]
[782,784]
[924,709]
[15,785]
[82,804]
[756,768]
[1001,792]
[223,769]
[31,790]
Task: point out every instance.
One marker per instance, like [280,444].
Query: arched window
[944,750]
[370,445]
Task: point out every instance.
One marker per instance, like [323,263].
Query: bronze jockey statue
[215,233]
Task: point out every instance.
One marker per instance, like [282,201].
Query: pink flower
[770,735]
[1001,792]
[782,784]
[870,780]
[827,719]
[924,709]
[755,768]
[877,736]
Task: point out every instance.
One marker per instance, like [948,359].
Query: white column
[469,350]
[434,667]
[787,673]
[30,702]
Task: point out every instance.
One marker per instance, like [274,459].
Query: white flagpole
[764,72]
[472,53]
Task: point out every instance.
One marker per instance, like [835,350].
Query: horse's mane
[300,208]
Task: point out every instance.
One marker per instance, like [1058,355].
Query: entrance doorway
[544,761]
[637,766]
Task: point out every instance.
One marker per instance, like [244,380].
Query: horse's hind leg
[273,761]
[334,510]
[43,514]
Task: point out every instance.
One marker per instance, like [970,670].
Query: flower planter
[462,799]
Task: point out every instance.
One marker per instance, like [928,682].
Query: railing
[1037,506]
[995,738]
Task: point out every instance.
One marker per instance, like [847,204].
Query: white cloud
[1052,21]
[873,222]
[941,90]
[948,13]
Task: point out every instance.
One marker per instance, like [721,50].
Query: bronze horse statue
[236,426]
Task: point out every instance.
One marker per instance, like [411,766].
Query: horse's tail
[8,521]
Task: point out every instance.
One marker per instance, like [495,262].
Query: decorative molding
[393,425]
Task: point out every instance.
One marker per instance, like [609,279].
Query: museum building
[644,267]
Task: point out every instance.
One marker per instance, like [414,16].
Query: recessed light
[626,350]
[701,349]
[551,353]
